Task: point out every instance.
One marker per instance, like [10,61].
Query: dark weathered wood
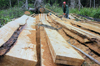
[6,46]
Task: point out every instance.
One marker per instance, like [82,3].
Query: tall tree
[94,3]
[26,5]
[72,3]
[18,3]
[79,3]
[10,2]
[90,3]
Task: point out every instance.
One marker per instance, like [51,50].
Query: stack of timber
[88,27]
[61,51]
[46,40]
[78,35]
[23,52]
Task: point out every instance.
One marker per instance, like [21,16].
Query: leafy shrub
[55,7]
[8,14]
[91,12]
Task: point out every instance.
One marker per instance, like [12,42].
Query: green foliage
[55,7]
[7,15]
[4,4]
[31,5]
[91,12]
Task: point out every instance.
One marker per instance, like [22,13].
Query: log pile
[46,40]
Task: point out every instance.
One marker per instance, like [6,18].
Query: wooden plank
[49,19]
[71,17]
[46,58]
[7,45]
[88,26]
[80,31]
[82,47]
[7,30]
[22,20]
[23,53]
[85,24]
[60,49]
[69,33]
[92,45]
[76,36]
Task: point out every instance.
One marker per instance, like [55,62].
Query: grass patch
[55,7]
[91,12]
[8,14]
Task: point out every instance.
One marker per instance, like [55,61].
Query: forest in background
[10,9]
[4,4]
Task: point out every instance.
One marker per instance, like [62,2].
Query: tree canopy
[85,3]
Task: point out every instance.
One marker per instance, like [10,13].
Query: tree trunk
[90,3]
[94,3]
[26,5]
[10,2]
[18,3]
[72,4]
[79,4]
[38,3]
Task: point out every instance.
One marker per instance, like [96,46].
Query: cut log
[60,49]
[23,53]
[90,36]
[38,6]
